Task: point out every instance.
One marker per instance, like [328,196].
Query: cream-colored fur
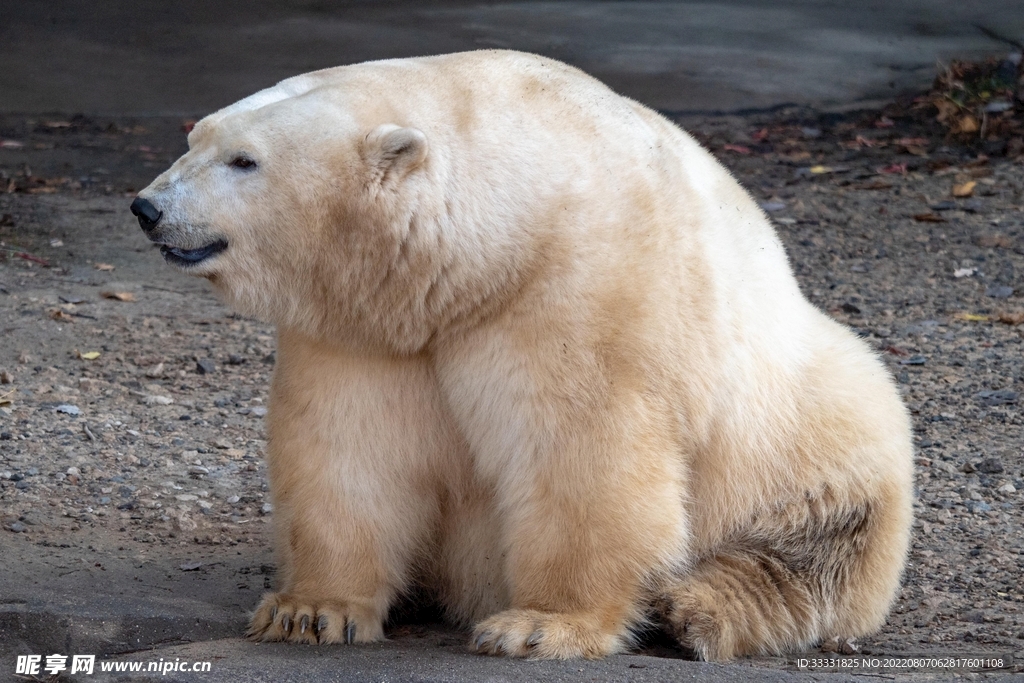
[540,354]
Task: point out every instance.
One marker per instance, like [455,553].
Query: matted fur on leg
[814,576]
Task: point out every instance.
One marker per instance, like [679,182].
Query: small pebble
[990,466]
[18,527]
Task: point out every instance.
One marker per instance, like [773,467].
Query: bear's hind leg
[814,570]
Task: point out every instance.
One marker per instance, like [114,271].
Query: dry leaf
[1014,318]
[89,355]
[739,149]
[820,169]
[968,124]
[62,316]
[120,296]
[965,190]
[894,168]
[972,317]
[929,217]
[5,399]
[104,266]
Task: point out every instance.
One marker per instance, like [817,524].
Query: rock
[17,527]
[258,411]
[68,409]
[1006,489]
[999,291]
[235,359]
[233,499]
[156,371]
[205,366]
[6,377]
[184,524]
[73,470]
[997,398]
[155,400]
[976,616]
[267,508]
[977,506]
[990,466]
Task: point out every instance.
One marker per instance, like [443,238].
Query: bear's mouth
[190,257]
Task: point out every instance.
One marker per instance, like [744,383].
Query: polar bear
[540,355]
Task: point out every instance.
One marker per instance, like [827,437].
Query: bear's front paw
[544,635]
[282,616]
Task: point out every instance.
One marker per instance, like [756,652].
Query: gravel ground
[132,401]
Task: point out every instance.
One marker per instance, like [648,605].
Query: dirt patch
[134,424]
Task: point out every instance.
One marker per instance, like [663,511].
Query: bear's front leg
[589,489]
[353,448]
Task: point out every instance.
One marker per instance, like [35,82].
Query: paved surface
[149,57]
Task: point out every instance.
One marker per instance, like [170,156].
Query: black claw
[273,613]
[286,623]
[304,623]
[480,640]
[350,633]
[321,623]
[534,638]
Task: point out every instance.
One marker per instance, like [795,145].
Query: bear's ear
[394,151]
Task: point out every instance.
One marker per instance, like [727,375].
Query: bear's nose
[147,213]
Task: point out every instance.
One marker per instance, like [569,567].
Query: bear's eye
[242,161]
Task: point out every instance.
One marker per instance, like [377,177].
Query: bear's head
[305,215]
